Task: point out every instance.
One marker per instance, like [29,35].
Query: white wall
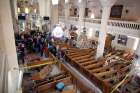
[132,6]
[7,42]
[131,43]
[92,28]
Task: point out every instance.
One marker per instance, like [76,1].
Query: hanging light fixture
[55,2]
[58,32]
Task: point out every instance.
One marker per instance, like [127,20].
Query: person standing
[46,50]
[21,50]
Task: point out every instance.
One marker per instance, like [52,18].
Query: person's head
[50,43]
[136,56]
[22,36]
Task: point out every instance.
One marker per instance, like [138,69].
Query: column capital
[107,3]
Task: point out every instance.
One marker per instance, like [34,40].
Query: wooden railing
[116,23]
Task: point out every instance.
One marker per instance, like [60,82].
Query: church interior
[69,46]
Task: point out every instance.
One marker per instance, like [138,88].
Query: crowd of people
[40,43]
[33,42]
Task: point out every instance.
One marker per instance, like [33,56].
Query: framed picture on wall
[116,11]
[75,11]
[86,12]
[122,39]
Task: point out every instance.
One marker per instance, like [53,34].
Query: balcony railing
[116,23]
[73,18]
[91,20]
[124,24]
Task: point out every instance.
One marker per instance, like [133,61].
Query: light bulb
[79,1]
[26,10]
[55,2]
[66,1]
[92,15]
[18,10]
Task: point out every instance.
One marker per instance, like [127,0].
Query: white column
[45,7]
[102,32]
[106,8]
[42,4]
[81,13]
[55,15]
[7,43]
[48,8]
[14,14]
[138,50]
[67,11]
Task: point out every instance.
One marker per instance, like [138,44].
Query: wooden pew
[85,60]
[82,57]
[94,65]
[77,54]
[49,83]
[88,62]
[101,69]
[45,87]
[96,71]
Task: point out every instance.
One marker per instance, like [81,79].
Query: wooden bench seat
[81,57]
[101,69]
[107,73]
[109,79]
[45,87]
[48,79]
[70,52]
[85,60]
[106,68]
[80,53]
[96,65]
[99,72]
[50,82]
[77,49]
[77,55]
[88,62]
